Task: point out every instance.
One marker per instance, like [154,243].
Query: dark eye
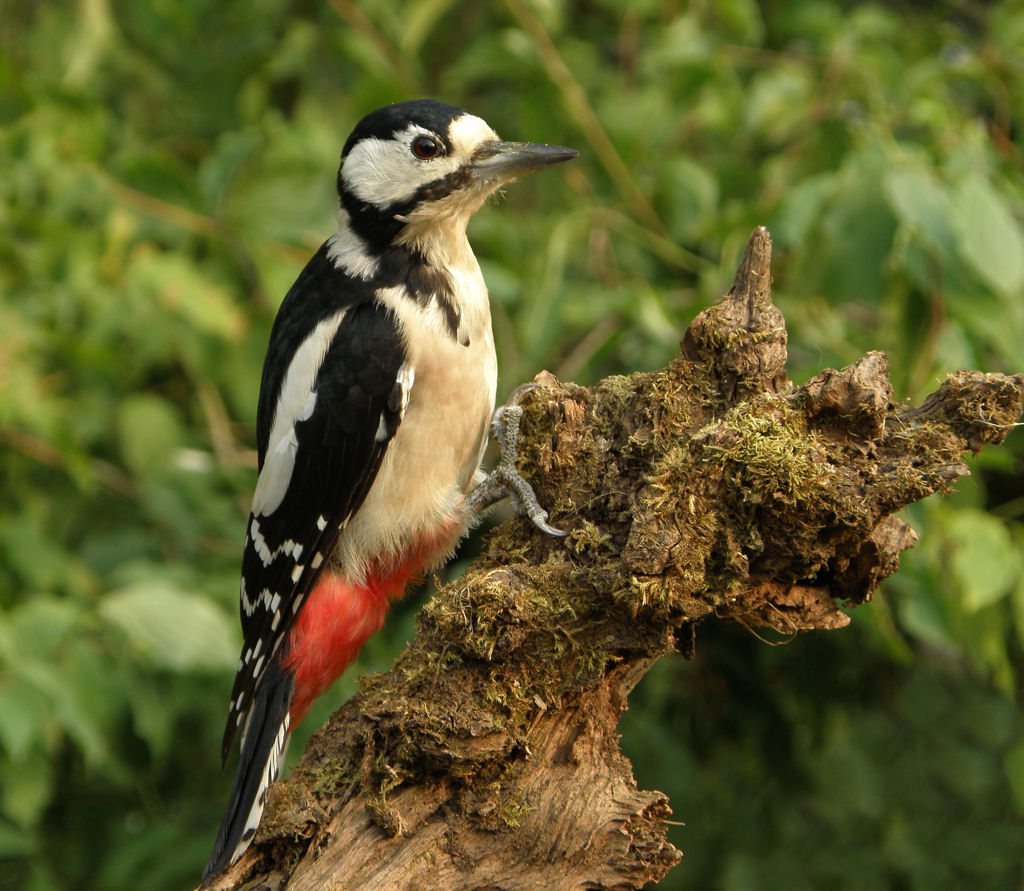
[426,147]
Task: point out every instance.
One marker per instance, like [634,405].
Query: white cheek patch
[385,172]
[296,402]
[377,171]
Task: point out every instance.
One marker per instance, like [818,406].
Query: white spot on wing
[296,396]
[289,547]
[260,543]
[321,523]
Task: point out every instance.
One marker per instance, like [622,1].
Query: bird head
[423,167]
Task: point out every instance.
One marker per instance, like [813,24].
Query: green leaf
[777,101]
[1017,607]
[742,19]
[178,285]
[14,842]
[925,615]
[27,550]
[172,628]
[920,202]
[88,703]
[692,194]
[984,561]
[801,209]
[148,433]
[26,786]
[989,237]
[24,714]
[1013,764]
[42,624]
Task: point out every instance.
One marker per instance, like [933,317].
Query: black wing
[319,473]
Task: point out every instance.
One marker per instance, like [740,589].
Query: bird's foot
[505,480]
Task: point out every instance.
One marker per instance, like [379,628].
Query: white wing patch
[295,402]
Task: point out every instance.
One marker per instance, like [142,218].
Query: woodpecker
[377,392]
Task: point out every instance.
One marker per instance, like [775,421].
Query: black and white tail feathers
[264,741]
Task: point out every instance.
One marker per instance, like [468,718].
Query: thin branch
[578,105]
[359,22]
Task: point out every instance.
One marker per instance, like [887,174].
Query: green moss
[587,536]
[431,665]
[514,806]
[591,664]
[767,450]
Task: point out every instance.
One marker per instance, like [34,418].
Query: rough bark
[488,758]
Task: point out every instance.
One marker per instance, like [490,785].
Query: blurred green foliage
[169,166]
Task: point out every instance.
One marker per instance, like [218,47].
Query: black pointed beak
[507,160]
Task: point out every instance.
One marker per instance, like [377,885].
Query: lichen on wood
[711,488]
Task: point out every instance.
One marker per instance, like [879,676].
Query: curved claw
[543,526]
[524,501]
[519,392]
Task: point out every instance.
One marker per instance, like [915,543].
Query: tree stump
[488,756]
